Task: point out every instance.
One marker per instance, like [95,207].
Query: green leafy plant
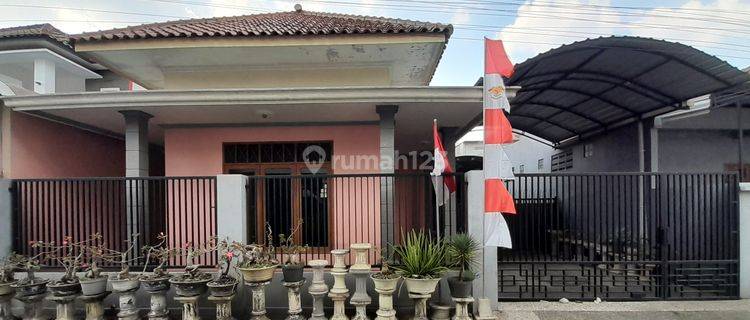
[462,252]
[420,256]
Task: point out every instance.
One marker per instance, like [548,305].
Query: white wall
[526,151]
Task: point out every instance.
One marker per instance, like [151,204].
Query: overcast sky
[528,27]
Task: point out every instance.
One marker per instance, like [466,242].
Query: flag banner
[444,185]
[497,132]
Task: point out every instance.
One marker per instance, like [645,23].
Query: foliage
[462,252]
[252,256]
[291,249]
[68,253]
[386,271]
[10,265]
[420,257]
[161,253]
[191,251]
[124,258]
[225,258]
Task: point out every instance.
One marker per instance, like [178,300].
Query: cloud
[461,17]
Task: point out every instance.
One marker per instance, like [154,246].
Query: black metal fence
[622,236]
[184,208]
[339,210]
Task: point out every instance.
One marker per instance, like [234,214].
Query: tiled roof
[268,24]
[36,30]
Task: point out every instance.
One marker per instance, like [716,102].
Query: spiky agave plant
[462,253]
[420,256]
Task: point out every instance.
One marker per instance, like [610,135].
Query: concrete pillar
[231,207]
[6,227]
[136,143]
[744,240]
[44,76]
[486,285]
[387,115]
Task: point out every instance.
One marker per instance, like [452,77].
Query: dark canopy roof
[588,87]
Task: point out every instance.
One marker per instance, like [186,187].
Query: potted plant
[256,262]
[69,255]
[421,261]
[31,285]
[94,282]
[387,278]
[462,254]
[223,285]
[292,268]
[192,282]
[11,263]
[124,281]
[158,279]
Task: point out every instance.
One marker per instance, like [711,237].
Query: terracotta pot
[6,288]
[38,286]
[124,285]
[385,284]
[189,287]
[421,286]
[222,289]
[459,288]
[258,274]
[155,284]
[64,289]
[93,287]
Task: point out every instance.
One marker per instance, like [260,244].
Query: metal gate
[622,236]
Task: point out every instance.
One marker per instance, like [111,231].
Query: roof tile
[36,30]
[268,24]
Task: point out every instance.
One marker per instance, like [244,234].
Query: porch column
[387,115]
[136,165]
[136,143]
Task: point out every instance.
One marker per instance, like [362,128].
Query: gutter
[224,97]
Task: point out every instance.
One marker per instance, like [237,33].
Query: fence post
[6,211]
[231,207]
[744,242]
[487,285]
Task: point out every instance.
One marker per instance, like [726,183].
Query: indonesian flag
[497,132]
[444,186]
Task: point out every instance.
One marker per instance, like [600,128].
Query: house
[275,118]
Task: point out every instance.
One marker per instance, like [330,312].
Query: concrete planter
[155,284]
[258,274]
[459,288]
[6,288]
[33,288]
[218,289]
[385,284]
[93,286]
[189,287]
[421,286]
[125,285]
[64,289]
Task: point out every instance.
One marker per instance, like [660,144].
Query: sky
[527,27]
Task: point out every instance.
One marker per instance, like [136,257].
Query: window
[276,152]
[588,150]
[540,164]
[520,169]
[562,161]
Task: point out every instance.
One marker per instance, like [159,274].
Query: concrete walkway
[656,310]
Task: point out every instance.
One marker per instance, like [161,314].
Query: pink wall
[356,209]
[198,151]
[46,149]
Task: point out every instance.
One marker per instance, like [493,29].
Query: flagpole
[437,200]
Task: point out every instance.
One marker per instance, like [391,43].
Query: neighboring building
[528,155]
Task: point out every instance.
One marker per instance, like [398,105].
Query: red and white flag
[497,132]
[442,174]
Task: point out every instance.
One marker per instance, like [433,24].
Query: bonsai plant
[462,254]
[387,277]
[124,281]
[93,282]
[192,282]
[11,263]
[69,255]
[158,279]
[292,268]
[256,262]
[224,284]
[421,261]
[30,285]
